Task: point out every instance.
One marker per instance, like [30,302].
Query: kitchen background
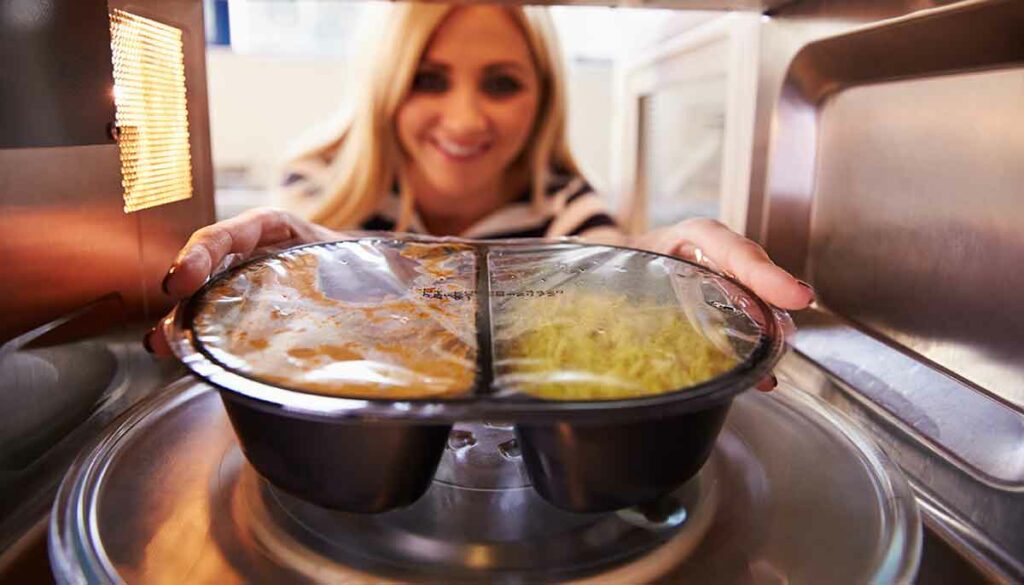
[278,69]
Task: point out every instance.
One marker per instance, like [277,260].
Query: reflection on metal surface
[482,457]
[67,241]
[55,74]
[930,43]
[984,434]
[918,230]
[45,426]
[891,181]
[47,391]
[914,184]
[152,113]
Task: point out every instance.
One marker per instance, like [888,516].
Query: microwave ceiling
[744,5]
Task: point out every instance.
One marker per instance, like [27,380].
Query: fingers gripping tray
[343,365]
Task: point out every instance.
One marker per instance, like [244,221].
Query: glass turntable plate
[791,494]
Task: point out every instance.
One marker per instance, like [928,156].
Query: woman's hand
[712,244]
[236,238]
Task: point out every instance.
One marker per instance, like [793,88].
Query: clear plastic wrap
[351,319]
[484,328]
[599,323]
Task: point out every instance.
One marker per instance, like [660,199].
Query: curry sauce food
[348,320]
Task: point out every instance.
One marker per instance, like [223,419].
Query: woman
[474,104]
[460,131]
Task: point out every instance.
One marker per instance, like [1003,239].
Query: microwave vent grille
[152,113]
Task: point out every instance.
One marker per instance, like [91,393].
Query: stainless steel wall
[66,240]
[887,172]
[893,182]
[54,76]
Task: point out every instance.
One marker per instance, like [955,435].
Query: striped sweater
[572,208]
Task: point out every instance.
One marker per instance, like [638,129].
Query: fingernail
[807,286]
[167,277]
[768,383]
[146,343]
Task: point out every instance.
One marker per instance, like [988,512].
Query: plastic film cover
[598,323]
[356,319]
[499,323]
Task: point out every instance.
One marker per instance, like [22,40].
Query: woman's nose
[464,113]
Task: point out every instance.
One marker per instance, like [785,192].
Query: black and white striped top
[572,208]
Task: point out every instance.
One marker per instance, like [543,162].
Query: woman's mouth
[460,152]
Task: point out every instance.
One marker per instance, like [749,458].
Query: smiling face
[470,109]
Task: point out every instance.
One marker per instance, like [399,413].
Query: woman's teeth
[459,150]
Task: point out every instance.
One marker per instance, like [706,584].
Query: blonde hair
[362,149]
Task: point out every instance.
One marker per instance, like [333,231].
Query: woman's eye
[501,85]
[429,82]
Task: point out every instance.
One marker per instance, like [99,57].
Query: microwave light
[152,111]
